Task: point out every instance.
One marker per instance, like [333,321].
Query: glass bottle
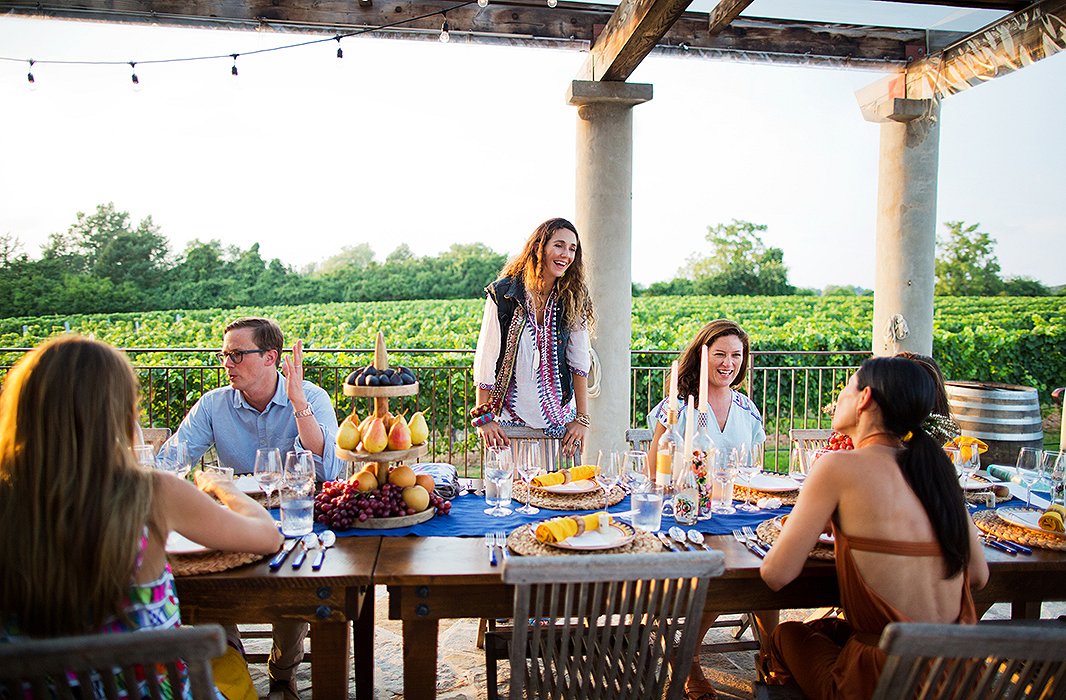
[686,496]
[703,452]
[671,445]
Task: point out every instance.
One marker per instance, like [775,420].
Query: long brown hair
[572,292]
[941,405]
[73,501]
[688,368]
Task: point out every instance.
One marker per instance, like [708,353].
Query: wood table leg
[1025,610]
[329,660]
[363,643]
[420,659]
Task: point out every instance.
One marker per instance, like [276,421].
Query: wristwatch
[304,412]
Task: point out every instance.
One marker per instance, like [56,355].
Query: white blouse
[534,397]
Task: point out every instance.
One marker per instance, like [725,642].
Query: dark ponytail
[905,394]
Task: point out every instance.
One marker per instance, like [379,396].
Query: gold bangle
[584,419]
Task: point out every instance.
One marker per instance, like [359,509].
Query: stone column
[604,219]
[906,226]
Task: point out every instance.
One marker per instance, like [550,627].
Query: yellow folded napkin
[558,529]
[965,443]
[1052,520]
[565,476]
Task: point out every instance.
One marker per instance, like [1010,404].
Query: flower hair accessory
[907,437]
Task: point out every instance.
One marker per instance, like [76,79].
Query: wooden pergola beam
[724,13]
[1008,5]
[571,25]
[632,32]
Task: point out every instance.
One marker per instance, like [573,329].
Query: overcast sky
[431,144]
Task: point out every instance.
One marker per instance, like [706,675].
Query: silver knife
[279,558]
[667,542]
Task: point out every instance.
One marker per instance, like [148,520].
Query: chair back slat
[937,662]
[602,626]
[639,439]
[551,448]
[109,664]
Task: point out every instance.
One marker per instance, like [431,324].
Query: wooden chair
[977,662]
[109,661]
[606,624]
[155,437]
[639,439]
[552,447]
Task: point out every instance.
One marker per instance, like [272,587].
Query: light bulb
[340,51]
[445,37]
[483,3]
[134,80]
[553,3]
[233,71]
[31,82]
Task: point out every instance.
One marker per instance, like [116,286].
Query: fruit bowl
[400,521]
[412,453]
[381,391]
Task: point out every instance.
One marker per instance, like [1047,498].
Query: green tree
[739,263]
[1025,287]
[105,245]
[355,257]
[966,264]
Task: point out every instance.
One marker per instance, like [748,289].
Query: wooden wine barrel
[1005,416]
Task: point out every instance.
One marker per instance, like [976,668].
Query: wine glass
[744,461]
[723,471]
[499,469]
[299,467]
[967,462]
[174,458]
[1053,471]
[608,476]
[527,464]
[1027,470]
[267,469]
[145,455]
[635,469]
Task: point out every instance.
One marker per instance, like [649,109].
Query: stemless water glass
[1027,471]
[743,460]
[527,463]
[647,503]
[174,458]
[145,455]
[267,469]
[297,494]
[499,470]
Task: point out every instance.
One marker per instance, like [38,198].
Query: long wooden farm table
[339,594]
[435,578]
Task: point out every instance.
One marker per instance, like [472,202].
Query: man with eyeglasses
[261,408]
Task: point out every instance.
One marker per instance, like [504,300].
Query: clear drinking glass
[145,455]
[174,458]
[609,475]
[297,494]
[743,460]
[527,461]
[723,472]
[1053,471]
[268,469]
[967,462]
[647,501]
[1027,471]
[635,469]
[499,470]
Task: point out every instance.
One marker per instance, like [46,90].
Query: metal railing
[789,388]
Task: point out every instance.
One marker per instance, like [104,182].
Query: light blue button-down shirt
[224,419]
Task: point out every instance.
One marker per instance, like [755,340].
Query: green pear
[419,429]
[348,435]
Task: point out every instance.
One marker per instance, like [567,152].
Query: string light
[553,3]
[133,76]
[29,76]
[340,51]
[233,70]
[482,3]
[445,35]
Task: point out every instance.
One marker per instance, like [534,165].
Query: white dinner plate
[1025,517]
[771,483]
[247,484]
[975,483]
[180,544]
[616,535]
[573,487]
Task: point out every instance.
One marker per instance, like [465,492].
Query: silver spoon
[309,541]
[696,537]
[679,536]
[327,539]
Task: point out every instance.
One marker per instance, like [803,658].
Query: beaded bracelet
[483,419]
[481,410]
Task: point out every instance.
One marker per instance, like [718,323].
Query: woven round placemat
[261,498]
[562,501]
[741,493]
[981,498]
[988,521]
[522,541]
[209,562]
[768,530]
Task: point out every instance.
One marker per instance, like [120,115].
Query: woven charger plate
[562,501]
[261,498]
[768,530]
[209,562]
[743,493]
[988,521]
[522,541]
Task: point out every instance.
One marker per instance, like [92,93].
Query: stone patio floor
[461,669]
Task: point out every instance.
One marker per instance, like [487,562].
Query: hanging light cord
[232,56]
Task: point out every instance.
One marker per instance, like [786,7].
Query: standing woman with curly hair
[533,357]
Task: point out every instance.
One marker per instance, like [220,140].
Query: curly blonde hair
[571,290]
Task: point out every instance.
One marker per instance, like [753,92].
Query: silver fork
[490,542]
[501,542]
[752,537]
[754,548]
